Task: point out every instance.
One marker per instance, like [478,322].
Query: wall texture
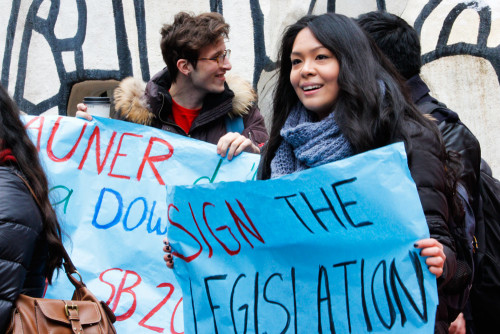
[48,46]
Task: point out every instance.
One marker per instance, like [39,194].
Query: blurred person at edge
[30,236]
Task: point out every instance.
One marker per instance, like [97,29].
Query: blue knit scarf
[308,144]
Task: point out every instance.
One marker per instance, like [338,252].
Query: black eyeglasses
[220,58]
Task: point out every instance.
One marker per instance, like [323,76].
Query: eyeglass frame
[226,53]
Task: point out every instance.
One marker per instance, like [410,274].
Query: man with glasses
[191,96]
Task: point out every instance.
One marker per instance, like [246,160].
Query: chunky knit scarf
[308,144]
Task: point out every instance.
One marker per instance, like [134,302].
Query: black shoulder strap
[428,107]
[431,108]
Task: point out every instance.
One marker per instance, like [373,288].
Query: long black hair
[371,103]
[14,137]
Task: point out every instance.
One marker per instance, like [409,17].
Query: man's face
[208,76]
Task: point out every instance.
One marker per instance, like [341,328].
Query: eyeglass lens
[223,56]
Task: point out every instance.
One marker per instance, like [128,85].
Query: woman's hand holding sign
[433,250]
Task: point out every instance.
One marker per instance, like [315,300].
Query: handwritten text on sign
[108,183]
[325,250]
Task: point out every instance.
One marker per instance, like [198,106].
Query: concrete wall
[48,46]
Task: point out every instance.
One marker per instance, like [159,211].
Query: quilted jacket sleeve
[20,226]
[426,164]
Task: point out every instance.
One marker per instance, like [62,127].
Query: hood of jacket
[146,104]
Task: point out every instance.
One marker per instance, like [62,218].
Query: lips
[310,88]
[307,88]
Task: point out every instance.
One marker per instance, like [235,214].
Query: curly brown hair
[184,38]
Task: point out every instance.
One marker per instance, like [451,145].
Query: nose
[307,68]
[226,64]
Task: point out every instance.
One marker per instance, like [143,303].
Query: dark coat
[153,107]
[456,136]
[23,248]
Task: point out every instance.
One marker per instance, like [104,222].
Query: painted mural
[47,46]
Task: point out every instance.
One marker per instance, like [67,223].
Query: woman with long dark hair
[30,236]
[337,96]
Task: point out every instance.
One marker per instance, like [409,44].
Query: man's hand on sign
[232,144]
[168,258]
[433,250]
[81,112]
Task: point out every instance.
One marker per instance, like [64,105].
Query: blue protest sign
[328,249]
[108,184]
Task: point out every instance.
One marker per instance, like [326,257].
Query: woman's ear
[184,66]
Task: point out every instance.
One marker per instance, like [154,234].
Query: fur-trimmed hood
[134,105]
[130,102]
[245,96]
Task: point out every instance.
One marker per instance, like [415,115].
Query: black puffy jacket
[458,138]
[23,248]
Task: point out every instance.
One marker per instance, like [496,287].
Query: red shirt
[184,117]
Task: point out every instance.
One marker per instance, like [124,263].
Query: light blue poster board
[108,184]
[327,250]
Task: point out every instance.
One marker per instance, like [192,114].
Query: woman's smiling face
[314,74]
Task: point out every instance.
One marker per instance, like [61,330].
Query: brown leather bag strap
[69,267]
[73,315]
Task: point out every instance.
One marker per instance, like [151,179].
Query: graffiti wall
[48,46]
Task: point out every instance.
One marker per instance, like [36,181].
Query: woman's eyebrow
[313,49]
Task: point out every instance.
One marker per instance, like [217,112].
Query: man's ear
[184,66]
